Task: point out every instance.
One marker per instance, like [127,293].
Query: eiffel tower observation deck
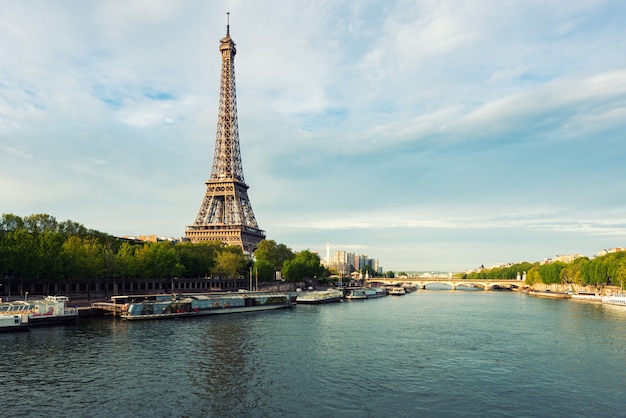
[225,213]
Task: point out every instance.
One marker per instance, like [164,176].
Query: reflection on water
[224,370]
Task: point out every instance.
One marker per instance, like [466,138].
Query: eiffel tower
[225,213]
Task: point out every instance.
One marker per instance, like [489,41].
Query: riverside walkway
[423,283]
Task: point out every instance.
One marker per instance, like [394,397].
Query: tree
[305,265]
[49,253]
[551,273]
[125,263]
[21,254]
[230,262]
[533,276]
[197,259]
[275,254]
[265,270]
[368,270]
[157,260]
[10,222]
[37,224]
[571,272]
[620,275]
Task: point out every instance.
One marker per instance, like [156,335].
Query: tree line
[38,247]
[609,269]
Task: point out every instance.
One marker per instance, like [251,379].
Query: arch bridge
[422,283]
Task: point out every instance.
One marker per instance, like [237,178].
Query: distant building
[567,258]
[150,238]
[609,251]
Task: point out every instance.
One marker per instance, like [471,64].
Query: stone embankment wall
[572,287]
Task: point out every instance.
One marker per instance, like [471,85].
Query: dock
[107,308]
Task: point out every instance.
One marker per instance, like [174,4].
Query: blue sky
[431,135]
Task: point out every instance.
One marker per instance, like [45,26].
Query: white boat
[14,322]
[50,310]
[409,288]
[201,304]
[319,296]
[355,293]
[375,292]
[615,299]
[396,291]
[589,297]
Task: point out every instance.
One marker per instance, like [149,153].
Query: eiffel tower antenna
[225,213]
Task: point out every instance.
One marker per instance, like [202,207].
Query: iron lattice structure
[225,213]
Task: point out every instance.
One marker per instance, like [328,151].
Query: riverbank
[600,290]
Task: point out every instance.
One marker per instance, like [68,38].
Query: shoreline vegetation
[587,274]
[40,255]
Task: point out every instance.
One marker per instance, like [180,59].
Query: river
[428,353]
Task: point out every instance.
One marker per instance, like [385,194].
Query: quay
[106,308]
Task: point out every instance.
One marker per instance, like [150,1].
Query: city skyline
[436,135]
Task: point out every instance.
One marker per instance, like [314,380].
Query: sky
[430,135]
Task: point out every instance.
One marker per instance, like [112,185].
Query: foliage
[369,271]
[551,272]
[264,270]
[39,248]
[305,265]
[608,269]
[275,254]
[230,263]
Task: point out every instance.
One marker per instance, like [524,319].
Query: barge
[316,297]
[201,304]
[47,311]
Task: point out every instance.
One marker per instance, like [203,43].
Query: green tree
[197,259]
[76,256]
[594,272]
[305,265]
[265,270]
[125,263]
[38,223]
[620,274]
[156,260]
[50,265]
[21,254]
[533,276]
[276,254]
[551,273]
[230,263]
[571,272]
[10,222]
[369,271]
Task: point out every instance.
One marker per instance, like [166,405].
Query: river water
[428,353]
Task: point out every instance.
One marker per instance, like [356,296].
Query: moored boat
[548,294]
[589,297]
[375,292]
[355,293]
[396,291]
[189,305]
[14,322]
[50,310]
[409,288]
[615,299]
[319,296]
